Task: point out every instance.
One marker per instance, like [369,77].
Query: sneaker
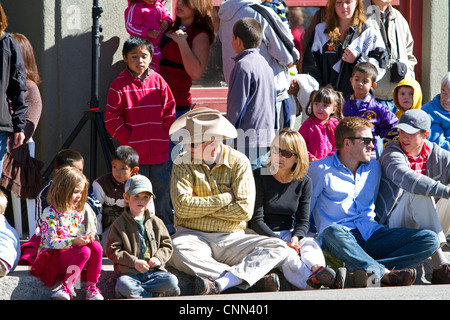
[441,275]
[204,286]
[62,293]
[323,276]
[93,293]
[4,270]
[268,283]
[403,277]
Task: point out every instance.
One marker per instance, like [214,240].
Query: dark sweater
[281,206]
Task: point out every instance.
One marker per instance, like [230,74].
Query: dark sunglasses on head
[284,153]
[366,140]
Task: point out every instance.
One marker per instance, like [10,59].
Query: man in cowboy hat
[416,172]
[213,193]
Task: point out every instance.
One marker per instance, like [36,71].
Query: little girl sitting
[324,110]
[68,242]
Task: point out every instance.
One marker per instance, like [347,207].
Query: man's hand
[19,138]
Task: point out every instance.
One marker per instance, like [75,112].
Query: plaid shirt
[419,163]
[201,197]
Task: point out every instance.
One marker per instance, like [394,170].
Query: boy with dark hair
[251,93]
[362,104]
[139,112]
[109,188]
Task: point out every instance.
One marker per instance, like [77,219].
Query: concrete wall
[60,32]
[435,46]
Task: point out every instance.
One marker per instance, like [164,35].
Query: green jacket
[123,248]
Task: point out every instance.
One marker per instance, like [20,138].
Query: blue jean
[386,248]
[159,175]
[143,285]
[3,148]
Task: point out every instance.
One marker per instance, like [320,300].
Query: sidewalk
[20,285]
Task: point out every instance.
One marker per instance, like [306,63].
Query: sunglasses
[366,140]
[284,153]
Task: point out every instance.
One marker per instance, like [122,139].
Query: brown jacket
[122,246]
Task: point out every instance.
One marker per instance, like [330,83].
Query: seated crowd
[356,197]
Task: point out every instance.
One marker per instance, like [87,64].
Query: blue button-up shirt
[341,197]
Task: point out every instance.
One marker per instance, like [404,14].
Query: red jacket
[139,114]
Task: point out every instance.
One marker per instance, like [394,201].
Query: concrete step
[20,285]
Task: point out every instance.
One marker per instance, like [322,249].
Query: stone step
[20,285]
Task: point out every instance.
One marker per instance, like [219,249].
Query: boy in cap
[140,245]
[415,174]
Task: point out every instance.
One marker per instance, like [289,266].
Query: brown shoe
[268,283]
[204,286]
[403,277]
[441,275]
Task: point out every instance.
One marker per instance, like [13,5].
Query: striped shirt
[200,195]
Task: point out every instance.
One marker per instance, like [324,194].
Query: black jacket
[13,86]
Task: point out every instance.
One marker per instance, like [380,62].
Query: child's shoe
[62,293]
[324,276]
[93,293]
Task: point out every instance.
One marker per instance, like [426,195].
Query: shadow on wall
[66,94]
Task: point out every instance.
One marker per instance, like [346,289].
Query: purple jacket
[382,119]
[319,137]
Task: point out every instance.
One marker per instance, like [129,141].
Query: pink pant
[72,262]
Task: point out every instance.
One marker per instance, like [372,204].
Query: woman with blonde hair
[342,41]
[283,193]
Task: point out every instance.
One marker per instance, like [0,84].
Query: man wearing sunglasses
[345,187]
[213,194]
[416,173]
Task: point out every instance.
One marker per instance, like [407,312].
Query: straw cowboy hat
[201,125]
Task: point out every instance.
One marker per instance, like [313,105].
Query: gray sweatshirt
[398,177]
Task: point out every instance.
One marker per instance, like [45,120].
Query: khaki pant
[421,212]
[210,254]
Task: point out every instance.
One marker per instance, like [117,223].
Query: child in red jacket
[139,112]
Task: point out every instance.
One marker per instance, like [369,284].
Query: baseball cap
[412,121]
[137,184]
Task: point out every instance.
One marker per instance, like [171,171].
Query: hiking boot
[93,293]
[323,276]
[441,275]
[403,277]
[204,286]
[268,283]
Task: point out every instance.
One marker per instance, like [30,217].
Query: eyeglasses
[366,140]
[284,153]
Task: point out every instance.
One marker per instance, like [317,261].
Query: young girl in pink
[148,19]
[68,242]
[324,110]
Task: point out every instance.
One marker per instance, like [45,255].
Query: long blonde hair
[332,20]
[294,142]
[63,186]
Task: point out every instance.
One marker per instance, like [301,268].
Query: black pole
[94,107]
[94,114]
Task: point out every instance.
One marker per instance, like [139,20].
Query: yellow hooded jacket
[417,97]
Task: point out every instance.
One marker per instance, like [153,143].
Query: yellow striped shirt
[200,195]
